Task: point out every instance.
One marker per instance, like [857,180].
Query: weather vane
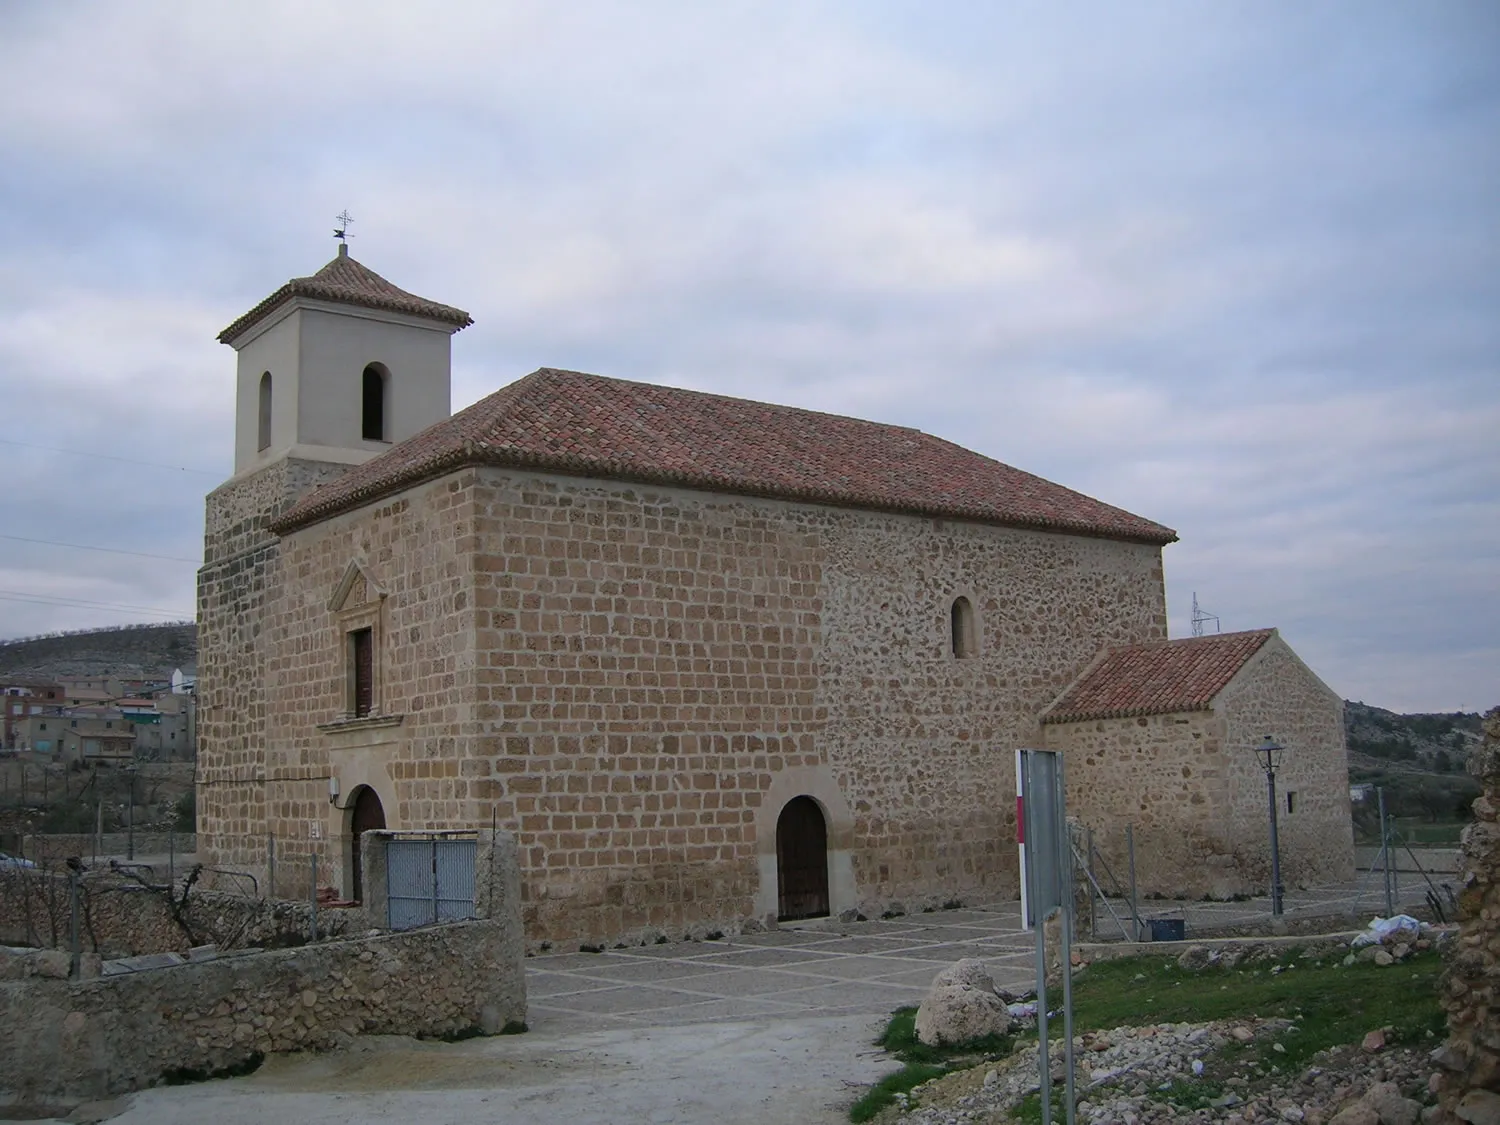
[341,232]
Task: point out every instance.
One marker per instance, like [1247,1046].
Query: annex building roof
[1157,678]
[587,425]
[345,281]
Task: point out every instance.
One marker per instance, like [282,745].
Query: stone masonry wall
[1470,1082]
[1277,694]
[240,568]
[121,918]
[1190,785]
[635,681]
[654,661]
[88,1039]
[1164,776]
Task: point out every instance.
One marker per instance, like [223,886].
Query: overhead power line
[109,550]
[110,457]
[82,603]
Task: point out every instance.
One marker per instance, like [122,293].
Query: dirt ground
[767,1073]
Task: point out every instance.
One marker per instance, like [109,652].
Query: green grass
[920,1062]
[1329,1003]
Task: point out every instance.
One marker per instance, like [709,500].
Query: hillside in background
[131,651]
[1420,760]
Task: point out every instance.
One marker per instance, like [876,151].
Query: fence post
[1135,915]
[74,949]
[1385,856]
[271,867]
[312,899]
[172,857]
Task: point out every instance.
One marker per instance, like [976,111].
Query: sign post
[1047,892]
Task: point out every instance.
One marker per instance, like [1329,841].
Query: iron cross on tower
[341,232]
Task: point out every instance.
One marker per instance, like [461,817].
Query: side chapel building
[708,659]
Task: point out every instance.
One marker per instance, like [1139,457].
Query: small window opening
[1291,801]
[963,628]
[361,672]
[374,386]
[263,433]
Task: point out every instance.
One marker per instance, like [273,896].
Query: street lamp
[1269,753]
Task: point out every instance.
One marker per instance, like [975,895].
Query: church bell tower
[333,369]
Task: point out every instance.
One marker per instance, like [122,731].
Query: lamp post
[1269,753]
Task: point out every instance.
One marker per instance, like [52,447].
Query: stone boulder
[961,1006]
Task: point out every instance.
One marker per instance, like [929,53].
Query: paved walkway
[861,968]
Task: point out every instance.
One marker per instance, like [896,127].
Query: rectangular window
[362,672]
[1291,801]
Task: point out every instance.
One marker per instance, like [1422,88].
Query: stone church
[710,660]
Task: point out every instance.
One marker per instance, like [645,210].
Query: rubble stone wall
[62,1040]
[1190,785]
[1471,986]
[122,918]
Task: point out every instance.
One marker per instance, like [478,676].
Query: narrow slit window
[962,622]
[1291,801]
[374,389]
[263,431]
[361,672]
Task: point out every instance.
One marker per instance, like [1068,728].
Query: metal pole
[1135,914]
[271,867]
[1275,852]
[172,857]
[312,899]
[98,828]
[74,959]
[1069,1092]
[1385,856]
[130,828]
[1038,924]
[1093,926]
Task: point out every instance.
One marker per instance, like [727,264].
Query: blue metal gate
[429,879]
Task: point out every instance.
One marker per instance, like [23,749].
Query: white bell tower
[338,367]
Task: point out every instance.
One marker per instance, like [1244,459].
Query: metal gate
[429,880]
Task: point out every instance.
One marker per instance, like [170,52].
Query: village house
[709,659]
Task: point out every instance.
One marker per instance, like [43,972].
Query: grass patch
[884,1092]
[921,1063]
[1329,1003]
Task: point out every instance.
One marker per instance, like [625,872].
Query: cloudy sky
[1235,267]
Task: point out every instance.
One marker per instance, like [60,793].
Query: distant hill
[1380,739]
[132,651]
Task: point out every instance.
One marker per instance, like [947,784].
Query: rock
[961,1006]
[1479,1107]
[1357,1113]
[1452,1056]
[1386,1100]
[1241,1034]
[1194,957]
[1383,958]
[1374,1041]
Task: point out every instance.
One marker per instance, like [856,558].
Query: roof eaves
[472,453]
[1167,708]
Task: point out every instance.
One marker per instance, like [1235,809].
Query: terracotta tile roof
[345,281]
[1157,678]
[587,425]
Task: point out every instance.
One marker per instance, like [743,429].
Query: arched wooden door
[801,860]
[368,814]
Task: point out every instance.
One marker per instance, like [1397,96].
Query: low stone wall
[1470,1082]
[57,847]
[62,1041]
[120,917]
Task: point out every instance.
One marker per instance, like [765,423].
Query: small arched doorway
[801,861]
[367,813]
